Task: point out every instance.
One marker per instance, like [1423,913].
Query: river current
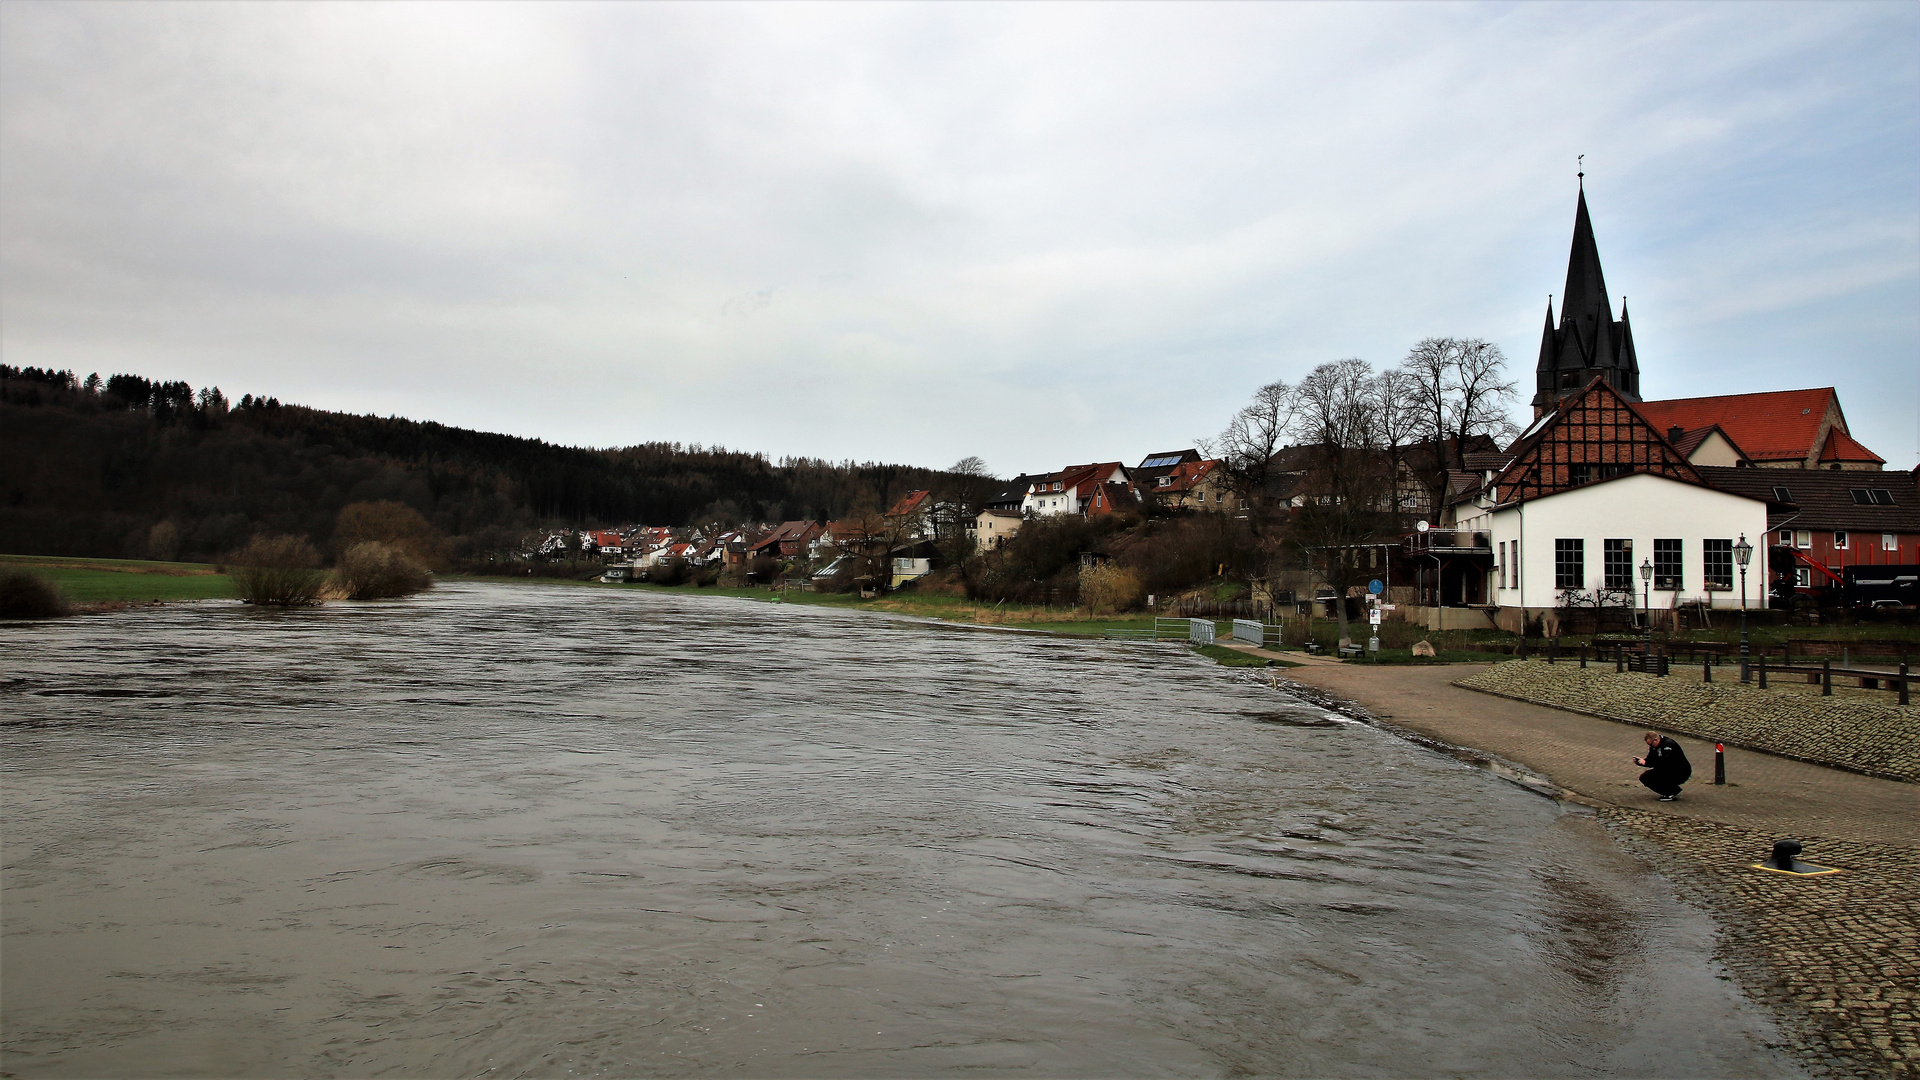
[524,830]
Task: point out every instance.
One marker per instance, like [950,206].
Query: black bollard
[1826,676]
[1706,671]
[1583,655]
[1783,853]
[1719,763]
[1619,659]
[1763,671]
[1903,678]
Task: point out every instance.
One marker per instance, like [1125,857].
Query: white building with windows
[1597,535]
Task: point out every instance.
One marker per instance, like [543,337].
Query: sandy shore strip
[1837,958]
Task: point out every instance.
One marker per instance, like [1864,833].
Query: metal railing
[1254,632]
[1164,629]
[1448,540]
[1200,631]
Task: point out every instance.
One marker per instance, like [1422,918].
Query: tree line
[133,467]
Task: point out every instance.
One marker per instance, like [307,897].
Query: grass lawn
[96,581]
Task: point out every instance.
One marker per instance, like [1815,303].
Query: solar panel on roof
[1156,462]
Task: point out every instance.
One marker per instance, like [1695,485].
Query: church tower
[1588,341]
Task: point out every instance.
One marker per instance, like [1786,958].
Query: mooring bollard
[1783,853]
[1826,676]
[1719,763]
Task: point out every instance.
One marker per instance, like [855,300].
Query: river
[515,829]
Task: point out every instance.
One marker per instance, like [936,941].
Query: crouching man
[1667,766]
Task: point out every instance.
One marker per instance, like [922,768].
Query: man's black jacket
[1666,758]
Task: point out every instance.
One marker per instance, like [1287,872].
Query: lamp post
[1743,551]
[1646,580]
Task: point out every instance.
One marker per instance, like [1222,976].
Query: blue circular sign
[1376,587]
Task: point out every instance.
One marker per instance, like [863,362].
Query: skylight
[1538,424]
[1781,494]
[1871,496]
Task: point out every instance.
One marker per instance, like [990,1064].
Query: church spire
[1587,340]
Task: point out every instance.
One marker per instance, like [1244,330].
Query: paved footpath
[1593,758]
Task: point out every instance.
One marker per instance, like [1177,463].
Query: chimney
[1675,433]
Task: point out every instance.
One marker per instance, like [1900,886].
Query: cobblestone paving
[1848,731]
[1837,957]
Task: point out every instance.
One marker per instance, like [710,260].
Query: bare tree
[1246,449]
[1459,390]
[1348,487]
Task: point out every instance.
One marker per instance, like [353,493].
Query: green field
[102,581]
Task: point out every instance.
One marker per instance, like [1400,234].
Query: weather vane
[1582,162]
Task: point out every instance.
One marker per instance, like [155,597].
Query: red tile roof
[1842,447]
[908,503]
[1777,426]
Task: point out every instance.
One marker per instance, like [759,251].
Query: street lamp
[1743,551]
[1646,578]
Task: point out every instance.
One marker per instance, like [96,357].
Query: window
[1617,564]
[1871,496]
[1803,578]
[1803,538]
[1786,537]
[1581,474]
[1667,565]
[1889,542]
[1500,566]
[1781,494]
[1839,541]
[1717,563]
[1569,380]
[1569,564]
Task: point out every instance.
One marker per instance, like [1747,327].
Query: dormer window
[1166,481]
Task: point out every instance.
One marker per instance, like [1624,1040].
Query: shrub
[1110,589]
[282,570]
[26,595]
[374,571]
[670,572]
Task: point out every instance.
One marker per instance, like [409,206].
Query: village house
[1782,429]
[1596,509]
[993,527]
[1822,522]
[1072,489]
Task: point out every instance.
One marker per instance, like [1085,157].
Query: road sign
[1373,616]
[1376,586]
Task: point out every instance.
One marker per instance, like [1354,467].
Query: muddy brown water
[521,830]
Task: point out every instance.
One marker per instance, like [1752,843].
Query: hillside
[95,468]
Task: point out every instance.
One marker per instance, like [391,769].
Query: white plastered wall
[1641,508]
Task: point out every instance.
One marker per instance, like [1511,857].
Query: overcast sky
[1037,233]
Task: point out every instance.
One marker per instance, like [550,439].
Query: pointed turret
[1587,341]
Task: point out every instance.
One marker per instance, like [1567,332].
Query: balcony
[1447,542]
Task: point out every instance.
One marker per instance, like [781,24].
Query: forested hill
[93,468]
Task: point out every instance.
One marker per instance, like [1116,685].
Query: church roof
[1843,447]
[1587,340]
[1779,425]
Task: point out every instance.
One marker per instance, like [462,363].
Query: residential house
[1146,475]
[994,527]
[1072,489]
[789,540]
[1193,485]
[914,560]
[1013,496]
[1821,521]
[1590,493]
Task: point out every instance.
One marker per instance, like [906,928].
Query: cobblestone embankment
[1845,732]
[1836,957]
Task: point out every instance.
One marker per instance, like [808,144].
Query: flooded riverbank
[523,830]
